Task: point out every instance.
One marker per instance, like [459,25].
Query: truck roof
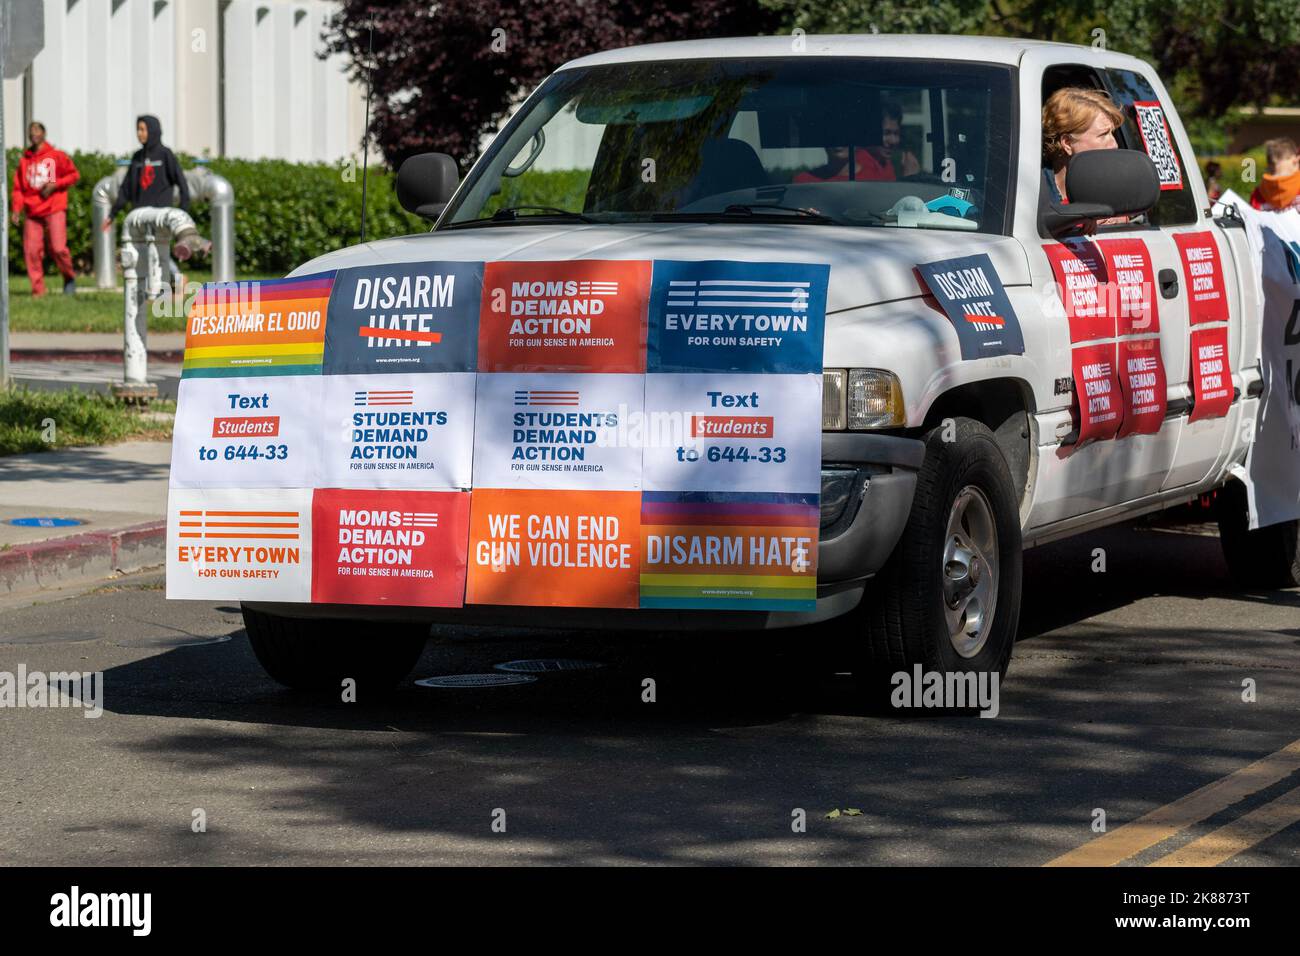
[1006,50]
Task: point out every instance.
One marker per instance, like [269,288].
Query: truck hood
[869,265]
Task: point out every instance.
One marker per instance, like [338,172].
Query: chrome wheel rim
[970,571]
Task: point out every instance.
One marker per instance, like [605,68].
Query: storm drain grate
[547,665]
[475,680]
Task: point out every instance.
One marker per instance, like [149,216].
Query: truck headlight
[861,398]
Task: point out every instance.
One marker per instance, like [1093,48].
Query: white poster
[254,432]
[742,432]
[239,544]
[558,431]
[1273,464]
[397,431]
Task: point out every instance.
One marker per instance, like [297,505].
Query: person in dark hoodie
[152,176]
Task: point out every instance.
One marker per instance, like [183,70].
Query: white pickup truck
[941,463]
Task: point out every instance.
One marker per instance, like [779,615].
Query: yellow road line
[1239,835]
[1163,822]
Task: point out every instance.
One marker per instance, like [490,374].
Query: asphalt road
[1124,695]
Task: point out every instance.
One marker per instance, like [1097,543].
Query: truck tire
[949,596]
[1267,557]
[318,654]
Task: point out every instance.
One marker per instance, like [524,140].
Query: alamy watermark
[26,688]
[953,690]
[75,908]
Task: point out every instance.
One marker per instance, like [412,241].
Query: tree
[1231,53]
[445,74]
[1214,55]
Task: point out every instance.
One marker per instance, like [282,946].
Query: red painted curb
[89,355]
[96,554]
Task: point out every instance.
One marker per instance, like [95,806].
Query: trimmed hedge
[285,213]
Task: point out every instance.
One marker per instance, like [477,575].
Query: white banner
[1273,465]
[398,431]
[743,432]
[239,544]
[253,432]
[558,430]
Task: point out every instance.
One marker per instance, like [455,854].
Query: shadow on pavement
[744,730]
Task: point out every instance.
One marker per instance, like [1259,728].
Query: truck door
[1120,351]
[1202,339]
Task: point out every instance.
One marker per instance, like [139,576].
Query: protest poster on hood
[585,433]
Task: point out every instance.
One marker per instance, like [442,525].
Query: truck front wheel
[319,654]
[1267,557]
[949,596]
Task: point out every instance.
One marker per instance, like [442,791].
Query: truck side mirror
[426,182]
[1123,179]
[1102,183]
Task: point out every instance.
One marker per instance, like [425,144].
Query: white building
[237,78]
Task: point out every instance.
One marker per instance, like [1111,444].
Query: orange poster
[265,327]
[554,548]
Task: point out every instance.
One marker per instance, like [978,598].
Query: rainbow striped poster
[744,550]
[268,327]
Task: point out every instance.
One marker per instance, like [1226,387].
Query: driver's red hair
[1070,111]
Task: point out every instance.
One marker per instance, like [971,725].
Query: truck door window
[1176,206]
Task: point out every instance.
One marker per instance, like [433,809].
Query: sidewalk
[90,361]
[119,492]
[90,346]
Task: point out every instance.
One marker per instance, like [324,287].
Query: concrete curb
[97,554]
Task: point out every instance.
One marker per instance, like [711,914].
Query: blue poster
[971,295]
[716,316]
[406,317]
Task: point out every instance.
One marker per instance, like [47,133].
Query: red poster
[403,548]
[1211,376]
[584,315]
[1206,299]
[1133,286]
[1081,278]
[1097,391]
[1142,383]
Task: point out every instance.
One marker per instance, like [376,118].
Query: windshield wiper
[747,211]
[510,214]
[750,208]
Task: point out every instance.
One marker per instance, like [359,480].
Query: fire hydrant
[147,236]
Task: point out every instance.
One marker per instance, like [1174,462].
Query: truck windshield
[806,139]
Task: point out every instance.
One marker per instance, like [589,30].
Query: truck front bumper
[867,486]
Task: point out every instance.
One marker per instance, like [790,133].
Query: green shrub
[285,213]
[1234,168]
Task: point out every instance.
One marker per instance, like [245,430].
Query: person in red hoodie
[41,185]
[1279,190]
